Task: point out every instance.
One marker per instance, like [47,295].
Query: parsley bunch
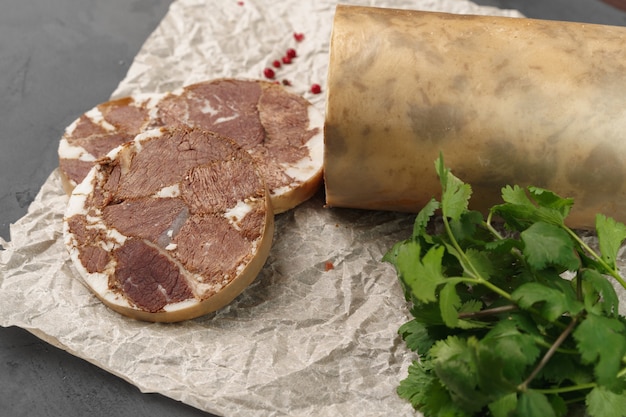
[516,320]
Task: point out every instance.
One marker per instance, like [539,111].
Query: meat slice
[175,239]
[282,131]
[99,130]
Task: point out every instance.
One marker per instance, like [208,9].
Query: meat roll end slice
[170,226]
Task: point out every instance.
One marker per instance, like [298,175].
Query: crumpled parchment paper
[316,333]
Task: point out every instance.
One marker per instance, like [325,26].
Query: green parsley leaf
[517,196]
[558,405]
[422,276]
[533,403]
[424,390]
[467,308]
[561,368]
[504,406]
[416,336]
[550,200]
[611,235]
[555,303]
[599,293]
[449,303]
[602,342]
[517,349]
[481,263]
[546,244]
[423,217]
[456,194]
[465,228]
[416,384]
[448,348]
[455,365]
[523,207]
[602,402]
[427,313]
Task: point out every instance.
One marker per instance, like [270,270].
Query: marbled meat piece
[281,130]
[163,235]
[99,130]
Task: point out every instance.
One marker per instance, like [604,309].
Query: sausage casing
[505,100]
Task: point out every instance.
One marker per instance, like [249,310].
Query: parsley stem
[489,311]
[570,327]
[593,253]
[457,247]
[541,342]
[494,288]
[492,229]
[476,278]
[570,388]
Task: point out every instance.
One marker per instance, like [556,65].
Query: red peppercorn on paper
[315,335]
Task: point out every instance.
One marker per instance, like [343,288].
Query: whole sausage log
[505,100]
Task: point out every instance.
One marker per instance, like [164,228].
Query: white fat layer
[307,167]
[170,191]
[304,169]
[143,136]
[76,203]
[70,129]
[204,289]
[181,305]
[113,297]
[235,214]
[178,92]
[68,151]
[153,112]
[285,189]
[226,119]
[115,238]
[171,246]
[207,108]
[115,151]
[78,198]
[97,281]
[149,100]
[96,117]
[316,118]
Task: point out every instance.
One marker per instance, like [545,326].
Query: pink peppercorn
[269,73]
